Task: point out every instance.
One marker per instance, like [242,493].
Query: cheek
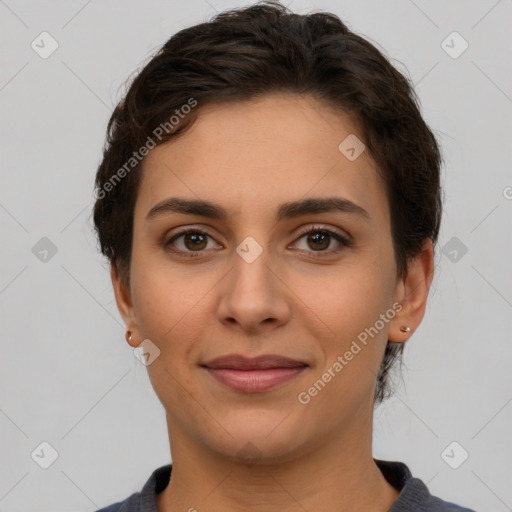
[168,304]
[353,347]
[163,293]
[347,304]
[344,300]
[174,309]
[170,311]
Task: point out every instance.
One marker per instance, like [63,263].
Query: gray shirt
[414,495]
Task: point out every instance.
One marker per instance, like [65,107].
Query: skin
[249,157]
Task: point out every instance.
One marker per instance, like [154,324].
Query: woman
[269,202]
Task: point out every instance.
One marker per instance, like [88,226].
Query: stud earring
[128,336]
[405,329]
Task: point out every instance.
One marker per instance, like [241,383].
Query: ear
[125,305]
[412,293]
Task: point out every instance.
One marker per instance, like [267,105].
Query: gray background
[67,375]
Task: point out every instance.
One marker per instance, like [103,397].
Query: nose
[254,296]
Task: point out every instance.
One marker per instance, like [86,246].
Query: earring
[128,336]
[405,329]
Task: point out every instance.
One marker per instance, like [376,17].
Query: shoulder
[438,505]
[115,507]
[128,505]
[144,501]
[414,494]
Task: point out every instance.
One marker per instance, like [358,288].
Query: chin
[255,437]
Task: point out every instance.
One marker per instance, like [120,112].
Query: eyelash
[342,240]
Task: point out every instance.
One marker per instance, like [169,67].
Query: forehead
[252,155]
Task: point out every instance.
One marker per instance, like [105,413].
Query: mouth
[254,375]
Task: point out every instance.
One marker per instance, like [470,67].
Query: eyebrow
[287,210]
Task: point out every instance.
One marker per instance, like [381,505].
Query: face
[265,277]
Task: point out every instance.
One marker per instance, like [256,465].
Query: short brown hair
[249,52]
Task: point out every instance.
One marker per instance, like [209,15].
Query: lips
[254,375]
[264,362]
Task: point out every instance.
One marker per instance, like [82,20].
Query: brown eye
[195,241]
[188,241]
[318,240]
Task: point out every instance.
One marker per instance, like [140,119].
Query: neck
[330,475]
